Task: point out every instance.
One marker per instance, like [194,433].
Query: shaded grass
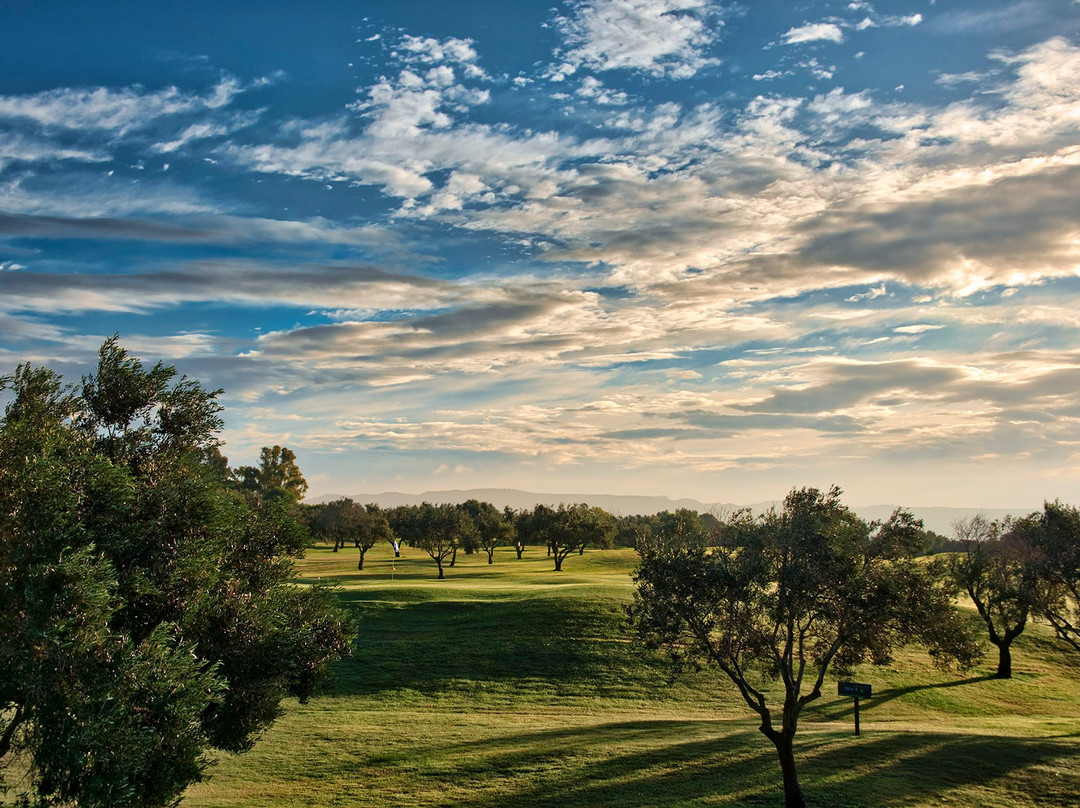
[510,685]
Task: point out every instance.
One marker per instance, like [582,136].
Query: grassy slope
[515,685]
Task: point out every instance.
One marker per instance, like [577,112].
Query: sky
[693,248]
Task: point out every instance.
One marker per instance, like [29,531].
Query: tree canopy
[567,529]
[344,520]
[145,613]
[493,529]
[436,529]
[1053,536]
[998,570]
[277,477]
[789,596]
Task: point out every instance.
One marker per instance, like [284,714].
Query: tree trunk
[9,732]
[490,554]
[360,566]
[558,562]
[1004,668]
[519,549]
[793,796]
[442,575]
[453,557]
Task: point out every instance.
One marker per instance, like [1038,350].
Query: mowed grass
[513,685]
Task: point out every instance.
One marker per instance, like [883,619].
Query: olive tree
[493,529]
[568,529]
[998,570]
[344,520]
[790,596]
[438,530]
[277,477]
[1054,537]
[145,611]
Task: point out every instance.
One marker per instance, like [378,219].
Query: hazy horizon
[655,247]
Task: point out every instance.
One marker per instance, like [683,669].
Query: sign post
[858,690]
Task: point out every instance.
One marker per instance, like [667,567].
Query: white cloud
[115,110]
[21,148]
[660,37]
[956,79]
[814,32]
[425,50]
[920,328]
[203,130]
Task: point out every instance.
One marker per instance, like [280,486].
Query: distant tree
[513,518]
[570,528]
[934,543]
[435,529]
[603,530]
[629,530]
[711,523]
[684,526]
[146,614]
[1054,536]
[531,527]
[998,571]
[277,477]
[492,528]
[790,596]
[346,521]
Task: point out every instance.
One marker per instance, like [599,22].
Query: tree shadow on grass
[658,763]
[840,710]
[684,763]
[560,645]
[899,769]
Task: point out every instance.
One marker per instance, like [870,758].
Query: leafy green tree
[602,528]
[568,529]
[145,614]
[531,527]
[1054,536]
[630,530]
[790,596]
[344,520]
[514,519]
[492,528]
[999,572]
[435,529]
[277,477]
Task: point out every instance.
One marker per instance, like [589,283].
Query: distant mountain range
[935,518]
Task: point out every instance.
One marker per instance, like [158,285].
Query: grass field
[512,685]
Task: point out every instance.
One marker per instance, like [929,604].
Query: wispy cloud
[115,110]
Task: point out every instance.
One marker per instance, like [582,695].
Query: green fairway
[512,685]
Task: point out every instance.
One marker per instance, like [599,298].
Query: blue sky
[679,247]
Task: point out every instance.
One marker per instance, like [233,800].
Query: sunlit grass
[513,685]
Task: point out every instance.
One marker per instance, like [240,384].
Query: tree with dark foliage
[438,530]
[145,611]
[493,529]
[343,521]
[277,477]
[790,596]
[567,529]
[999,572]
[1054,537]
